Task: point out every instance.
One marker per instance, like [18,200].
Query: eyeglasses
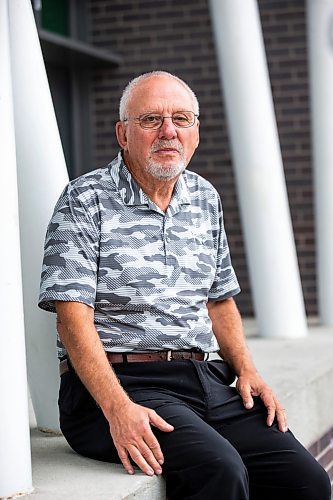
[154,121]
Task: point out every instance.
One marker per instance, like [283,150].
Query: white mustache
[167,144]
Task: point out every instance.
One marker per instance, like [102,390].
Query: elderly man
[137,268]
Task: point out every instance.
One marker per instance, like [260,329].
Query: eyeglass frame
[137,119]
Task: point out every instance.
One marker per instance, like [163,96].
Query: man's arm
[228,330]
[130,423]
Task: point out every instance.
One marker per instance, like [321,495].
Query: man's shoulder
[98,181]
[91,180]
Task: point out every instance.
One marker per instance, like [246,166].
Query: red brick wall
[322,450]
[176,36]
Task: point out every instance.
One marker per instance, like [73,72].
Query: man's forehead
[159,91]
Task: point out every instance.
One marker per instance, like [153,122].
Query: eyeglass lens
[181,119]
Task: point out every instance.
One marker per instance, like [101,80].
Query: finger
[159,422]
[151,441]
[123,455]
[154,447]
[270,403]
[148,454]
[139,460]
[281,419]
[245,393]
[270,415]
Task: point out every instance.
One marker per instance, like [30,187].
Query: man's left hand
[251,384]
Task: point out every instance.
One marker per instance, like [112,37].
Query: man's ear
[121,135]
[198,131]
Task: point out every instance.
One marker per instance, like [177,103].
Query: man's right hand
[130,428]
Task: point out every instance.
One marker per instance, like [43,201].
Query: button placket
[166,238]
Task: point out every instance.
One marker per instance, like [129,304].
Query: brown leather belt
[141,357]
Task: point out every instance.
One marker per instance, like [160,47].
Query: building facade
[145,35]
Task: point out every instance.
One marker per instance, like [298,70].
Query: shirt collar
[129,190]
[132,194]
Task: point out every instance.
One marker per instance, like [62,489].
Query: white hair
[123,104]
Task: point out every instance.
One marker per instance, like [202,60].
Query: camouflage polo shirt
[147,274]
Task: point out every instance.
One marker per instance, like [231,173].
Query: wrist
[115,404]
[247,369]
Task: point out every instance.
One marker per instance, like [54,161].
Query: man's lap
[211,426]
[174,390]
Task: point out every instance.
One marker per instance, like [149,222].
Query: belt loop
[169,355]
[124,355]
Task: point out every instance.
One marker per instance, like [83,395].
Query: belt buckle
[169,355]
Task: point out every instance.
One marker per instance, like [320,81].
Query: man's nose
[167,130]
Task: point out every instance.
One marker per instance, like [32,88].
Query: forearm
[75,325]
[228,330]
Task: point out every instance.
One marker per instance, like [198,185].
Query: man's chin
[165,171]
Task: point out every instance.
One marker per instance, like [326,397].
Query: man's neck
[160,191]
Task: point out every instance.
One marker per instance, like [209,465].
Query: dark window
[55,16]
[69,59]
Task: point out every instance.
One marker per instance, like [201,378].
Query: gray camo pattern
[147,274]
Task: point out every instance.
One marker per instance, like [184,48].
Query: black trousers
[217,450]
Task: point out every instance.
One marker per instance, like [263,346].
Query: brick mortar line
[324,451]
[327,468]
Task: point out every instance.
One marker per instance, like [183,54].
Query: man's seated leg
[199,463]
[279,466]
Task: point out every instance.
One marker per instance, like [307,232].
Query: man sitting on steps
[137,268]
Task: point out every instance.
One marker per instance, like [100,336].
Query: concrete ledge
[301,373]
[59,473]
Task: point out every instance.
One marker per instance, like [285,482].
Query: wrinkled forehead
[161,94]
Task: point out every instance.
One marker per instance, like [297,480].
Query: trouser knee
[230,477]
[210,479]
[311,482]
[320,485]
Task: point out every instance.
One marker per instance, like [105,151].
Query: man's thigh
[192,440]
[277,464]
[199,462]
[82,422]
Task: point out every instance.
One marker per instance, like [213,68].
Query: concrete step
[60,474]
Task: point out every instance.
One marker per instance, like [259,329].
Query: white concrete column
[320,42]
[258,166]
[15,460]
[42,175]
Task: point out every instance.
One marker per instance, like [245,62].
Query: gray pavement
[300,371]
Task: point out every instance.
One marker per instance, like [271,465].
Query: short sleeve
[225,283]
[69,271]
